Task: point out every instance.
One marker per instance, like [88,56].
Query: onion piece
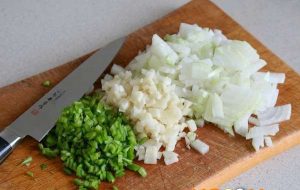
[268,141]
[253,120]
[116,69]
[187,142]
[191,136]
[124,105]
[151,155]
[277,78]
[140,152]
[254,67]
[170,157]
[200,146]
[273,98]
[258,142]
[275,115]
[200,122]
[262,131]
[241,125]
[162,50]
[191,125]
[217,106]
[270,77]
[182,134]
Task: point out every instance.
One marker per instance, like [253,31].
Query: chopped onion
[194,76]
[140,152]
[262,131]
[268,142]
[191,136]
[163,51]
[270,77]
[182,134]
[277,78]
[275,115]
[254,67]
[273,98]
[241,125]
[187,142]
[151,155]
[200,146]
[170,157]
[116,69]
[191,125]
[258,142]
[254,121]
[200,122]
[217,106]
[151,103]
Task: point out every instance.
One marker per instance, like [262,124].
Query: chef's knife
[39,119]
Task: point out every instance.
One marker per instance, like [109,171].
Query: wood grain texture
[228,156]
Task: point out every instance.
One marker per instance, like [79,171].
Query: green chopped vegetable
[84,184]
[137,168]
[68,171]
[115,188]
[143,140]
[94,141]
[27,161]
[134,167]
[46,83]
[48,152]
[142,172]
[29,173]
[43,166]
[78,181]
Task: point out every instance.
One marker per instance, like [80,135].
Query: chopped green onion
[93,184]
[78,181]
[115,188]
[134,167]
[43,166]
[46,83]
[110,177]
[51,140]
[94,141]
[29,173]
[27,161]
[143,140]
[137,168]
[47,151]
[68,171]
[142,172]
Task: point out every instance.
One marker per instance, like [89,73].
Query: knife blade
[39,119]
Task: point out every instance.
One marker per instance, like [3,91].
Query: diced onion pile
[152,104]
[194,76]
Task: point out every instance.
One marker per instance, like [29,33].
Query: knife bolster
[8,141]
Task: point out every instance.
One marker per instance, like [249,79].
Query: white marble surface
[38,35]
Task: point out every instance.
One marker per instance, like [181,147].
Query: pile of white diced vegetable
[196,76]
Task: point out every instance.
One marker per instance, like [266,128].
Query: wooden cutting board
[228,156]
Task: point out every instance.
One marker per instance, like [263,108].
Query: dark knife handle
[8,141]
[5,149]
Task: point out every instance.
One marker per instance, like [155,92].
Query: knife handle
[8,141]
